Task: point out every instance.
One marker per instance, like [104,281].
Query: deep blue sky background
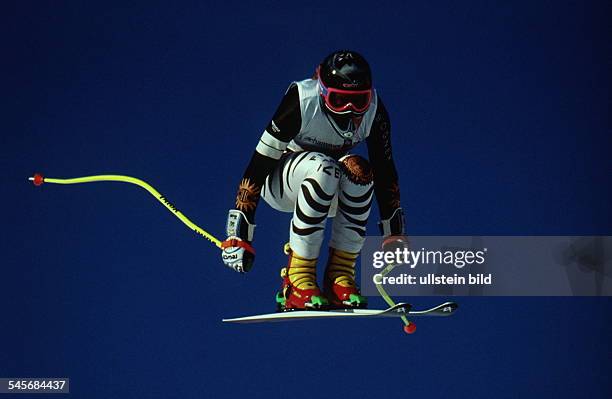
[501,125]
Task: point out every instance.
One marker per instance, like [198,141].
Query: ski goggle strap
[343,101]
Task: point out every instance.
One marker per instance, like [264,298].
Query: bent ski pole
[38,180]
[409,326]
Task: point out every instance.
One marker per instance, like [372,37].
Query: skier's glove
[392,230]
[238,253]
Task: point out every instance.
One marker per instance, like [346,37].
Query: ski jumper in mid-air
[302,165]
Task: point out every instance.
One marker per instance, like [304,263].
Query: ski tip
[38,179]
[410,328]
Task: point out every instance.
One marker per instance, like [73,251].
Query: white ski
[400,309]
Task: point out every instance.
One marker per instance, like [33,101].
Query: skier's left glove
[238,253]
[392,230]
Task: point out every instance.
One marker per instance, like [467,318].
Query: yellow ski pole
[39,179]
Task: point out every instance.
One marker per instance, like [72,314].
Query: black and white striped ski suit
[315,186]
[300,165]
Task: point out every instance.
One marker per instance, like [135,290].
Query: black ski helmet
[347,71]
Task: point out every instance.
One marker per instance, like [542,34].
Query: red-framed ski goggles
[345,101]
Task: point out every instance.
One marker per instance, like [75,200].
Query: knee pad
[357,169]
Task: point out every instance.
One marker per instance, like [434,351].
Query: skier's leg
[304,183]
[354,200]
[275,191]
[308,181]
[318,177]
[348,231]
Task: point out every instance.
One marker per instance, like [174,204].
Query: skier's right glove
[392,230]
[238,253]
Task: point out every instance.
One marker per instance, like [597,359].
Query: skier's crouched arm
[238,252]
[284,126]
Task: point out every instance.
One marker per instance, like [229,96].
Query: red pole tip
[410,328]
[38,179]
